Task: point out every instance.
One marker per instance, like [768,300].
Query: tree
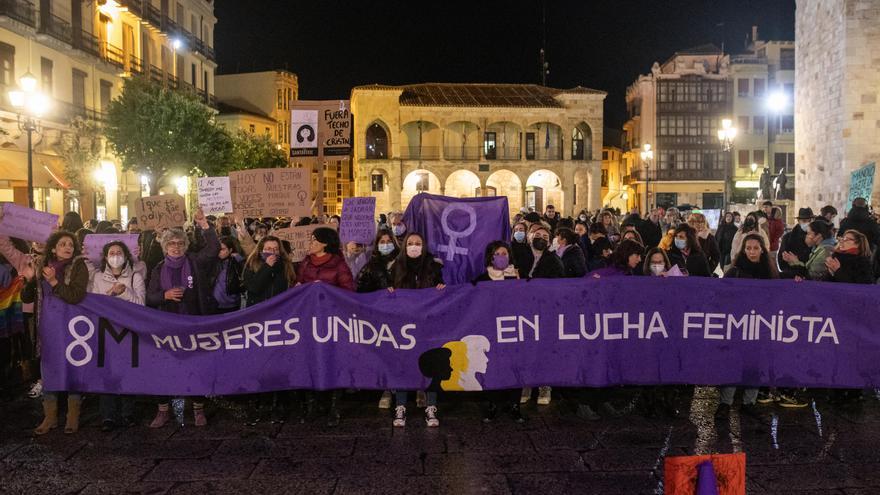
[160,133]
[80,149]
[250,150]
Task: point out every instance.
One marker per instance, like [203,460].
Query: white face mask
[414,251]
[115,261]
[657,269]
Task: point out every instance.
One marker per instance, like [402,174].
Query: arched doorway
[462,184]
[545,188]
[506,183]
[376,141]
[418,181]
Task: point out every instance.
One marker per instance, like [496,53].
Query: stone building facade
[837,113]
[533,144]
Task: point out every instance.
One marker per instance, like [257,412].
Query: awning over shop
[48,169]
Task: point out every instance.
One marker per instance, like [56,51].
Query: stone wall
[837,115]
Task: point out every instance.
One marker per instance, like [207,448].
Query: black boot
[491,413]
[517,414]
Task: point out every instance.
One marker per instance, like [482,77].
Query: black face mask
[539,243]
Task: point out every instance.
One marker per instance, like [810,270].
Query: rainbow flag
[11,320]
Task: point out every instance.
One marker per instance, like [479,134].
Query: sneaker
[525,395]
[791,402]
[586,412]
[36,390]
[723,412]
[399,417]
[161,419]
[421,399]
[544,396]
[385,401]
[199,416]
[431,417]
[767,397]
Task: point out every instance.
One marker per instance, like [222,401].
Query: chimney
[754,34]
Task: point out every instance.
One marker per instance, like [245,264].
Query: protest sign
[358,222]
[304,133]
[159,212]
[862,183]
[25,223]
[93,245]
[298,237]
[214,195]
[271,192]
[582,332]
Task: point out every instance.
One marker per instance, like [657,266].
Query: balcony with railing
[56,27]
[152,15]
[114,55]
[19,10]
[504,153]
[682,174]
[420,152]
[462,152]
[551,153]
[693,106]
[65,112]
[136,7]
[89,44]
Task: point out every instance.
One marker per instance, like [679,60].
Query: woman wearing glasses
[851,261]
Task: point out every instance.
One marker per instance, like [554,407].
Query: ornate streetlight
[647,155]
[30,104]
[726,136]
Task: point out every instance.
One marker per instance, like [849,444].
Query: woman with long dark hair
[376,274]
[625,260]
[724,234]
[226,277]
[267,271]
[687,253]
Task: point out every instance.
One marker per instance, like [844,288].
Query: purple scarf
[171,265]
[59,266]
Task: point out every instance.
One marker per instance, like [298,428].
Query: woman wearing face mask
[656,263]
[724,235]
[750,225]
[707,241]
[376,274]
[687,254]
[178,285]
[267,272]
[569,251]
[545,264]
[416,268]
[117,277]
[226,278]
[752,263]
[67,274]
[520,250]
[398,228]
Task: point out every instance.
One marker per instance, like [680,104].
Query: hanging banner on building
[494,335]
[861,183]
[26,223]
[358,223]
[160,212]
[298,237]
[271,192]
[304,133]
[215,195]
[458,230]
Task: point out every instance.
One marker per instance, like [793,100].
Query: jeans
[750,395]
[430,398]
[116,407]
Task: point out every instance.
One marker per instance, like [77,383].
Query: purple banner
[495,335]
[26,223]
[458,229]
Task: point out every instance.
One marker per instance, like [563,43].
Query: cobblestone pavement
[818,449]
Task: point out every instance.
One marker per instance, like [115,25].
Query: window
[289,94]
[530,146]
[490,146]
[758,156]
[79,88]
[280,95]
[377,143]
[743,158]
[743,123]
[180,17]
[422,184]
[252,128]
[46,69]
[577,144]
[106,93]
[788,123]
[377,183]
[759,87]
[7,64]
[666,199]
[786,59]
[604,155]
[194,24]
[604,177]
[713,201]
[742,87]
[758,127]
[783,161]
[268,131]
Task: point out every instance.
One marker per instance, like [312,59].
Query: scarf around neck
[171,265]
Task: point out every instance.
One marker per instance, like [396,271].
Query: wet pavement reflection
[821,448]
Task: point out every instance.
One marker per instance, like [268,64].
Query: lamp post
[726,136]
[30,105]
[647,155]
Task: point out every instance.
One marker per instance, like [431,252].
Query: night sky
[335,45]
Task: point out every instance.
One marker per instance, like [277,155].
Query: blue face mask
[399,229]
[386,248]
[519,236]
[681,243]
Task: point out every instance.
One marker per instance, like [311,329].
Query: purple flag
[489,336]
[706,483]
[458,230]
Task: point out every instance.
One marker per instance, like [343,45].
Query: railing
[136,7]
[157,74]
[376,153]
[420,152]
[680,174]
[551,153]
[56,27]
[504,153]
[152,15]
[692,106]
[627,180]
[19,10]
[89,43]
[114,55]
[462,152]
[687,140]
[135,64]
[66,111]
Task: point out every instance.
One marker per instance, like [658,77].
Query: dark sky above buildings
[334,45]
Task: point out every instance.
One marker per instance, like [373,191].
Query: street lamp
[647,155]
[754,167]
[30,105]
[726,136]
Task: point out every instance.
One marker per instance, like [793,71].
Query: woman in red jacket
[325,263]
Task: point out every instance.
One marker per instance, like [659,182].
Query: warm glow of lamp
[16,98]
[647,153]
[39,104]
[754,167]
[182,185]
[28,83]
[777,101]
[105,174]
[108,8]
[624,196]
[176,44]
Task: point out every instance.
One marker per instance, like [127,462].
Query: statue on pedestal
[765,184]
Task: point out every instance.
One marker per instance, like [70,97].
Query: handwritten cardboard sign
[298,237]
[215,195]
[271,192]
[358,220]
[93,245]
[159,212]
[25,223]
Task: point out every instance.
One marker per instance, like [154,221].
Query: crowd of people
[220,265]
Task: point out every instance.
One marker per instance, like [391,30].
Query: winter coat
[860,219]
[740,272]
[375,275]
[332,269]
[736,245]
[493,274]
[854,269]
[19,262]
[777,228]
[814,268]
[724,235]
[574,262]
[196,300]
[650,232]
[547,266]
[695,264]
[133,280]
[71,288]
[522,258]
[433,278]
[594,252]
[233,284]
[795,242]
[710,250]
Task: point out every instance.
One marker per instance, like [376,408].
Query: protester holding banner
[15,252]
[64,269]
[851,261]
[376,274]
[687,254]
[267,272]
[656,263]
[626,260]
[569,251]
[325,262]
[178,284]
[545,264]
[498,263]
[416,268]
[821,242]
[599,248]
[116,276]
[226,277]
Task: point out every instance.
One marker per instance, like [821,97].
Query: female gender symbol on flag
[452,248]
